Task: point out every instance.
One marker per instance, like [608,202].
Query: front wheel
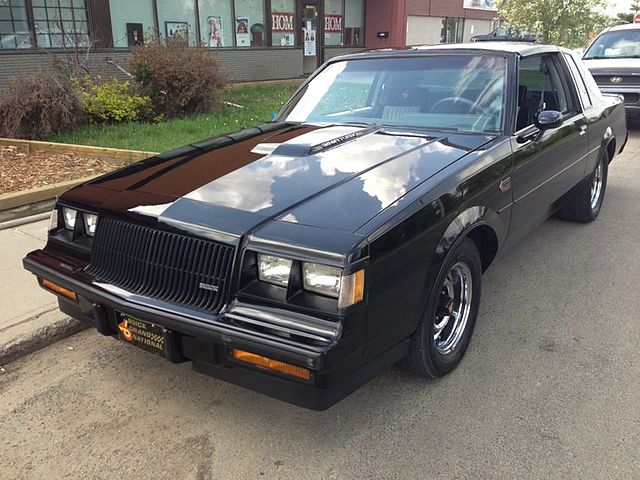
[585,206]
[445,331]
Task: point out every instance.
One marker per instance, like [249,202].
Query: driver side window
[540,88]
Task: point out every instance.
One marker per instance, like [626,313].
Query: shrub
[180,80]
[114,101]
[39,106]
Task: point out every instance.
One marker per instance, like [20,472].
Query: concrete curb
[35,333]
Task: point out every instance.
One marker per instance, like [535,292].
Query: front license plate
[142,334]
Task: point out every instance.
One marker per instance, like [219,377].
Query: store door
[310,37]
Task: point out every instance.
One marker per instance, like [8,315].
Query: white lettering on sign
[282,22]
[333,23]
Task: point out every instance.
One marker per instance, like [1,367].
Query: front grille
[174,268]
[606,80]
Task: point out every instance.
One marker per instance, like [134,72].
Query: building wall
[385,16]
[423,30]
[446,8]
[240,65]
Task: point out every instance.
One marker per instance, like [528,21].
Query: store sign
[481,4]
[333,23]
[282,22]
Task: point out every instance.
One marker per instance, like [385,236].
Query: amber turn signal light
[55,288]
[270,364]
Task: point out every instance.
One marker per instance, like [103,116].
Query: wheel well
[611,149]
[487,243]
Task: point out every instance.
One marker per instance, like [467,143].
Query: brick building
[253,39]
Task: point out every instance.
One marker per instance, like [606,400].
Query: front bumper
[631,96]
[208,341]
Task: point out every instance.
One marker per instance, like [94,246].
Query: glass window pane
[65,3]
[66,14]
[5,13]
[40,13]
[178,19]
[249,26]
[216,23]
[6,27]
[53,13]
[43,40]
[79,15]
[24,41]
[283,23]
[19,13]
[131,22]
[353,22]
[333,22]
[7,41]
[82,4]
[37,3]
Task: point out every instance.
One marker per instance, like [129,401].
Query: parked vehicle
[614,61]
[506,34]
[301,257]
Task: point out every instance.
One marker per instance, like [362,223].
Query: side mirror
[548,119]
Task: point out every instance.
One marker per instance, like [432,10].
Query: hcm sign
[333,23]
[281,22]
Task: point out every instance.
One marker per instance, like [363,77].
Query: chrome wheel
[596,186]
[454,307]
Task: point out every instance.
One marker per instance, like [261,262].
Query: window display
[216,25]
[61,23]
[333,22]
[283,23]
[249,23]
[131,22]
[178,18]
[353,22]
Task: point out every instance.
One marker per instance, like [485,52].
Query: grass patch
[259,102]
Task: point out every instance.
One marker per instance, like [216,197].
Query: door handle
[582,130]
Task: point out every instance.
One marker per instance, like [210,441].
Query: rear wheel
[446,328]
[586,204]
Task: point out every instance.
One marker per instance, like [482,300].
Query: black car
[301,257]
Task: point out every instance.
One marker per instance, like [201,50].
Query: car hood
[609,66]
[333,177]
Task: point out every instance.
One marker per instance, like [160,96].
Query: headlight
[90,222]
[274,270]
[53,220]
[69,215]
[322,279]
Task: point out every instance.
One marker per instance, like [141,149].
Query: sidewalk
[29,316]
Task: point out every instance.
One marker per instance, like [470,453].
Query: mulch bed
[22,171]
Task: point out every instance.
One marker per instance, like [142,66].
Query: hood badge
[616,79]
[207,286]
[505,185]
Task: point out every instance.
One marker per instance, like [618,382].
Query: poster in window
[309,39]
[243,37]
[215,31]
[135,37]
[177,29]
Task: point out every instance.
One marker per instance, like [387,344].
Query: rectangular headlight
[275,270]
[69,215]
[90,223]
[322,279]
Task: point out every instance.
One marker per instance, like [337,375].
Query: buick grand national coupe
[301,257]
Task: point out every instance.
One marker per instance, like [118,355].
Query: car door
[546,164]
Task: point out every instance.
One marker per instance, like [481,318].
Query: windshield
[453,92]
[618,44]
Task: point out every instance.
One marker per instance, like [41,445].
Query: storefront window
[333,22]
[14,28]
[353,22]
[61,23]
[216,23]
[452,30]
[131,22]
[178,19]
[283,23]
[249,25]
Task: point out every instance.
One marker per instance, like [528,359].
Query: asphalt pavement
[550,388]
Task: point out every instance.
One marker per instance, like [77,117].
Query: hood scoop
[298,150]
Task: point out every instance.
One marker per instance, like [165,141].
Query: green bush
[114,101]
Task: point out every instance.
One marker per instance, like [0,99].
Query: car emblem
[616,79]
[206,286]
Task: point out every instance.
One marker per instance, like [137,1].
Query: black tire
[582,207]
[427,357]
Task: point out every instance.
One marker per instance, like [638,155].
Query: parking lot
[550,387]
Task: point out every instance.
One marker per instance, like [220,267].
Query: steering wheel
[456,101]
